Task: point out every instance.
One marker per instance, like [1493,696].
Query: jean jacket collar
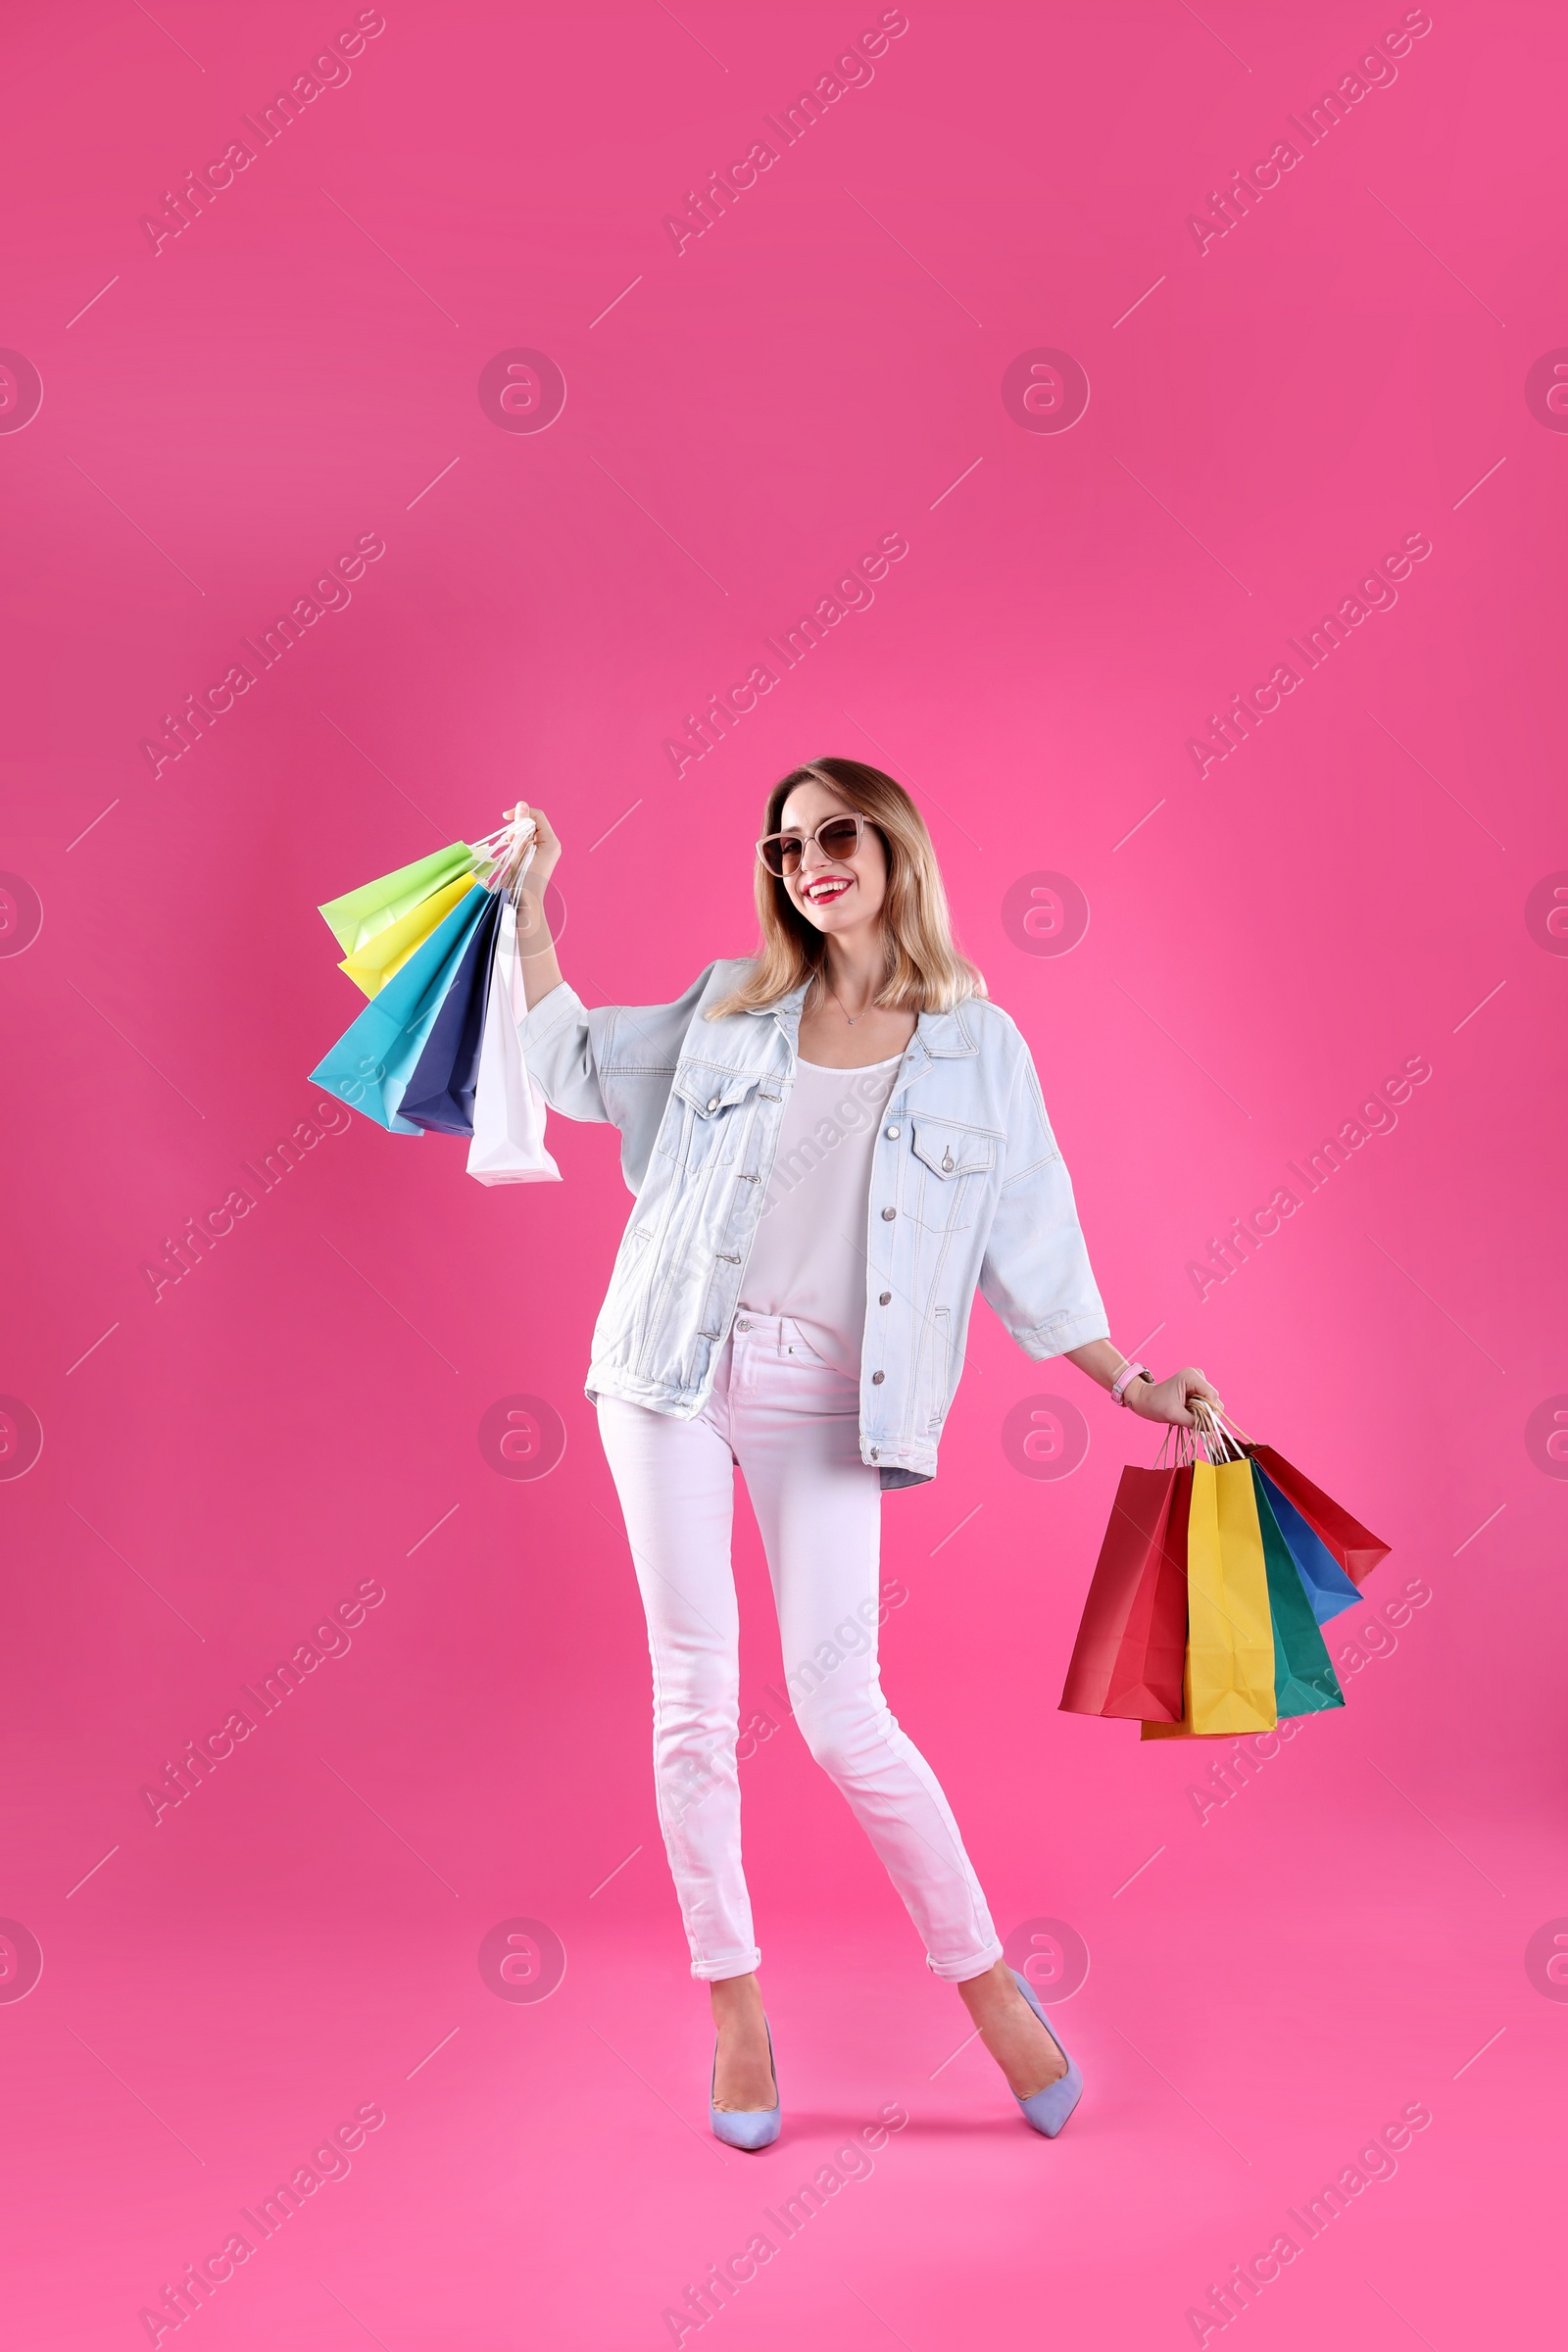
[938,1036]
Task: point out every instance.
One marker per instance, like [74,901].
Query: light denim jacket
[967,1187]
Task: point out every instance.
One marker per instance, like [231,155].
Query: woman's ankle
[735,1999]
[991,1993]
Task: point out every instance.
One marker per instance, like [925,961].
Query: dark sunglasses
[837,837]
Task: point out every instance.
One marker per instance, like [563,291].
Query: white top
[807,1261]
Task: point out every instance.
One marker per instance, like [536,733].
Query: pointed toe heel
[1048,2110]
[748,2127]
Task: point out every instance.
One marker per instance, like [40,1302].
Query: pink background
[1348,888]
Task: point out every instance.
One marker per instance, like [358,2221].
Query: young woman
[830,1145]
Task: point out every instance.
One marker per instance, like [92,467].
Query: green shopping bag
[361,913]
[1305,1681]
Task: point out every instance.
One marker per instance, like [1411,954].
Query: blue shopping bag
[439,1094]
[373,1060]
[1328,1588]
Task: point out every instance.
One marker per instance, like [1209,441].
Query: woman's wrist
[1129,1372]
[536,949]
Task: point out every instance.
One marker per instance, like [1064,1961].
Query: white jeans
[791,1423]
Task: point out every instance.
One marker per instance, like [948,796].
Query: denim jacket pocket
[936,1367]
[627,1289]
[955,1163]
[706,1116]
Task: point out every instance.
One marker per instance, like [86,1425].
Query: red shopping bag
[1355,1547]
[1128,1656]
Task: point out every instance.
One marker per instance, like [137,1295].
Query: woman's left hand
[1169,1399]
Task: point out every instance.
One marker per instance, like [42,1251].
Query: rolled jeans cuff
[714,1972]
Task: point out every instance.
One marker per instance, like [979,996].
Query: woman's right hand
[547,845]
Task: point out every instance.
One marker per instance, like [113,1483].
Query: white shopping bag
[509,1109]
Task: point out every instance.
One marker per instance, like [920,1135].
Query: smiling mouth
[825,889]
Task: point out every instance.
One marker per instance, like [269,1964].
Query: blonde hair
[925,971]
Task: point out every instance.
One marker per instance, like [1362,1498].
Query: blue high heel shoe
[749,2127]
[1049,2109]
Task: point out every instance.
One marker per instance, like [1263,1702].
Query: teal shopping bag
[1305,1681]
[372,1063]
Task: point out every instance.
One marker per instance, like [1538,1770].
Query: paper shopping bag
[1230,1634]
[1128,1656]
[374,964]
[439,1094]
[1323,1579]
[1355,1547]
[1159,1728]
[1305,1681]
[508,1108]
[361,913]
[371,1063]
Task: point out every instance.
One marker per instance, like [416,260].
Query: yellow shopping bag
[1230,1634]
[1228,1676]
[372,965]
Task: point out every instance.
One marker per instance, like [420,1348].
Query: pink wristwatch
[1128,1372]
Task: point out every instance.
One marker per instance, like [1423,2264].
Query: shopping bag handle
[1219,1439]
[508,852]
[1178,1443]
[1208,1433]
[1233,1428]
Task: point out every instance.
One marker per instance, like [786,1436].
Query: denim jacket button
[886,1298]
[877,1378]
[875,1452]
[713,1104]
[893,1134]
[888,1215]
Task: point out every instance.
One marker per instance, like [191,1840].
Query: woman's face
[835,895]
